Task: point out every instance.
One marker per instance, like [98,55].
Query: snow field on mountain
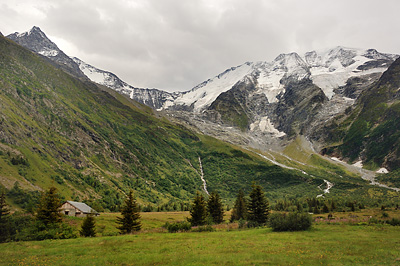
[265,125]
[327,69]
[204,94]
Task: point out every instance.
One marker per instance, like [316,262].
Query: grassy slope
[347,181]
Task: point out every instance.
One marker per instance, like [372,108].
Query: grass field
[325,244]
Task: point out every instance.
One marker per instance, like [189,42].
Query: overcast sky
[177,44]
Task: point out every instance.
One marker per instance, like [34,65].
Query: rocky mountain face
[369,130]
[290,90]
[37,41]
[151,97]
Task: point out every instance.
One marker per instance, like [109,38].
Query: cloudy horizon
[175,45]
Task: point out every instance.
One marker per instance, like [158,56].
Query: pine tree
[48,211]
[129,221]
[198,212]
[258,208]
[240,208]
[88,228]
[325,208]
[4,218]
[215,208]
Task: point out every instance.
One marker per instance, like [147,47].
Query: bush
[204,228]
[294,221]
[39,231]
[253,224]
[374,220]
[178,227]
[56,231]
[242,223]
[394,222]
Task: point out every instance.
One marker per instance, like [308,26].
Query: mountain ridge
[271,103]
[98,146]
[369,132]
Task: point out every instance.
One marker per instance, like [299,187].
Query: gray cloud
[174,44]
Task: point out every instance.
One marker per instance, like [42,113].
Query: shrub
[242,223]
[374,220]
[253,224]
[39,231]
[394,222]
[294,221]
[178,227]
[56,231]
[204,228]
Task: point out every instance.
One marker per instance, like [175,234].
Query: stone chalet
[77,209]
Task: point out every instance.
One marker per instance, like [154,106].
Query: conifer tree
[4,218]
[215,208]
[325,208]
[130,220]
[48,211]
[239,210]
[258,208]
[88,228]
[198,212]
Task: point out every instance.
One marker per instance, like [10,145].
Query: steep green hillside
[371,131]
[95,144]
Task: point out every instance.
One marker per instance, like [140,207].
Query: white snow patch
[265,125]
[358,164]
[93,75]
[205,93]
[49,53]
[347,99]
[269,82]
[382,171]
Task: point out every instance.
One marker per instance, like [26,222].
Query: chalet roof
[82,207]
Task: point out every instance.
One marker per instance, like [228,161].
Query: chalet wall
[70,210]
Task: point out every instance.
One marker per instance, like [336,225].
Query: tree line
[48,223]
[255,211]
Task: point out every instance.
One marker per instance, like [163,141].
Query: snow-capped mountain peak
[37,41]
[205,93]
[327,69]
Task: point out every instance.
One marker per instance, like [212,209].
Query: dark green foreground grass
[323,245]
